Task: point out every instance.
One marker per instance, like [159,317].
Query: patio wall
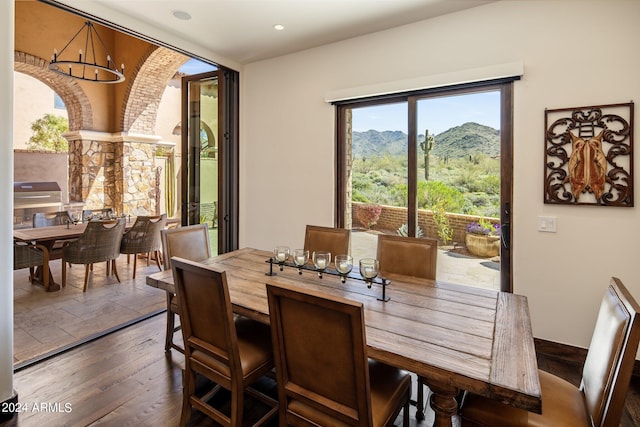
[392,218]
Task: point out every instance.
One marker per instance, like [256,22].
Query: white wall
[6,195]
[574,53]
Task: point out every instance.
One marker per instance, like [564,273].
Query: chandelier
[88,65]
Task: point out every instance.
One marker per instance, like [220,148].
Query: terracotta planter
[482,246]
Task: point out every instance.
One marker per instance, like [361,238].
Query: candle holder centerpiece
[281,255]
[300,259]
[369,270]
[344,265]
[321,261]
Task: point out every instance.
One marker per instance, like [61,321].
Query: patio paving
[453,266]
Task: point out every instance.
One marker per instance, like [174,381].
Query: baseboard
[7,413]
[569,354]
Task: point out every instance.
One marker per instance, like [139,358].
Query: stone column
[113,171]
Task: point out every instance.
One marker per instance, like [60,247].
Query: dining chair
[144,238]
[88,214]
[232,352]
[599,400]
[44,219]
[190,242]
[408,256]
[99,242]
[323,373]
[30,256]
[329,239]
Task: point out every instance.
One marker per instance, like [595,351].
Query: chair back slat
[408,256]
[190,242]
[320,354]
[611,356]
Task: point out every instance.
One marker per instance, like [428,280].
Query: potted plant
[483,238]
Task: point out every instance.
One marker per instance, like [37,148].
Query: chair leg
[128,257]
[171,322]
[86,277]
[64,273]
[405,415]
[420,400]
[158,260]
[115,270]
[188,390]
[135,263]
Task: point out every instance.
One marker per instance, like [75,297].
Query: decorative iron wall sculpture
[589,155]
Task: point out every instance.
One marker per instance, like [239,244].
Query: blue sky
[195,66]
[436,114]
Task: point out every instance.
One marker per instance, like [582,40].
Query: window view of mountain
[463,170]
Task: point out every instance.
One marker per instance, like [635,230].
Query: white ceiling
[242,30]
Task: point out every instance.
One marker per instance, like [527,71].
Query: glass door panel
[200,146]
[458,182]
[378,177]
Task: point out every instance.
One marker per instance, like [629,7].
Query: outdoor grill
[32,197]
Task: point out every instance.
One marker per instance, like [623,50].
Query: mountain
[459,141]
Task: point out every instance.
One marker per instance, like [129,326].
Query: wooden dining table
[456,337]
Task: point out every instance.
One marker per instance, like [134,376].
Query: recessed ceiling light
[278,27]
[181,14]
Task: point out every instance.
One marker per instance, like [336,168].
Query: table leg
[444,404]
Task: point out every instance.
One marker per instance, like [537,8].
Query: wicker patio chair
[144,238]
[99,242]
[30,256]
[88,214]
[42,219]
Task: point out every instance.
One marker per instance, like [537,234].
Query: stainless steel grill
[32,197]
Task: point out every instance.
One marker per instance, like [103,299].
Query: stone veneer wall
[393,217]
[118,174]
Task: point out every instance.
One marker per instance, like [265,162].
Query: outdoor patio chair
[144,238]
[99,242]
[42,219]
[89,214]
[30,256]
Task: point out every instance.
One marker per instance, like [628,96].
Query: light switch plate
[547,224]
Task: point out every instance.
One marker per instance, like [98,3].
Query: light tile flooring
[45,321]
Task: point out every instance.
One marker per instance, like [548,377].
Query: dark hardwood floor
[126,379]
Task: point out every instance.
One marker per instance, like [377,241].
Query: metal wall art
[589,155]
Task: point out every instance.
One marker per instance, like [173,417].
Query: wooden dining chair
[190,242]
[409,256]
[231,352]
[599,400]
[99,242]
[324,376]
[144,238]
[329,239]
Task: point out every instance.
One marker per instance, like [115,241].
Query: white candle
[300,260]
[369,272]
[281,256]
[321,263]
[343,267]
